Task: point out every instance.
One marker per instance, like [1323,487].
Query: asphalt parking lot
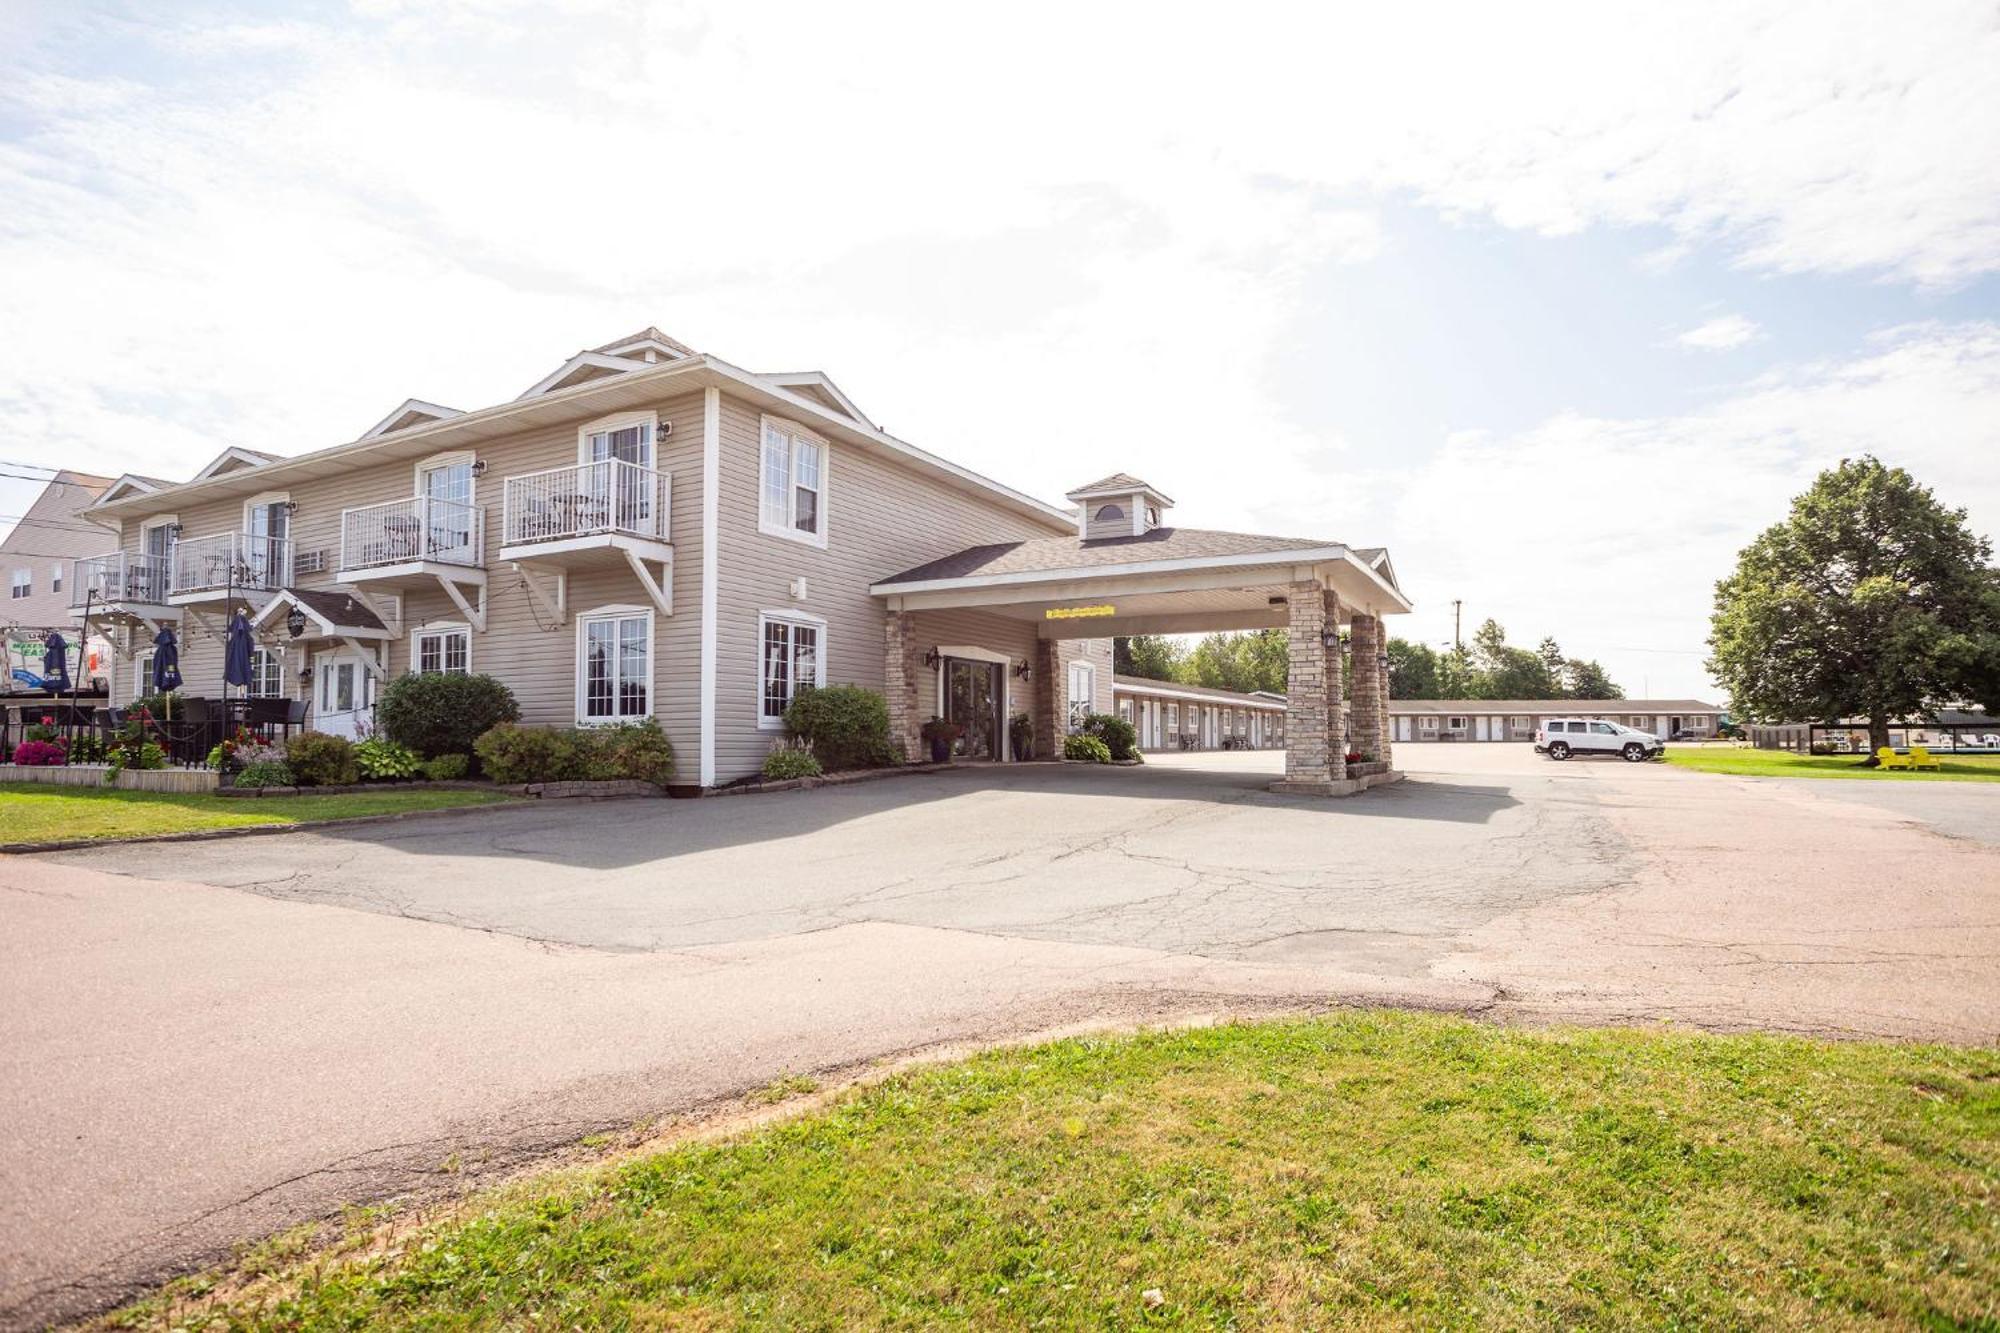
[201,1042]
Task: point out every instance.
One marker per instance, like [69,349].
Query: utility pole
[1457,638]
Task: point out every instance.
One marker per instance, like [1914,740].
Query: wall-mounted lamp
[305,672]
[931,657]
[478,467]
[289,506]
[1022,671]
[1382,660]
[1330,639]
[295,623]
[174,531]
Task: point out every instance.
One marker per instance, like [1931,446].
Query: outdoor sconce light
[305,673]
[931,658]
[1330,639]
[174,531]
[1382,660]
[295,623]
[1022,671]
[478,467]
[290,507]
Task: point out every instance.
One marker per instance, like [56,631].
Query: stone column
[1383,726]
[1048,710]
[1306,688]
[900,675]
[1336,684]
[1364,690]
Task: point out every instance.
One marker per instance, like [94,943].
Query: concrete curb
[252,830]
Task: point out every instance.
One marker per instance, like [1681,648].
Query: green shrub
[636,750]
[640,750]
[448,768]
[846,726]
[1088,749]
[511,753]
[319,760]
[1119,736]
[786,762]
[265,773]
[438,714]
[383,760]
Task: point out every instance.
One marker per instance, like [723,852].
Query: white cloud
[1049,257]
[1610,534]
[1720,334]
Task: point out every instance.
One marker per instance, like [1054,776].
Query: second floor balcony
[409,534]
[211,568]
[610,498]
[120,581]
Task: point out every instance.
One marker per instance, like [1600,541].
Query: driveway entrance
[204,1042]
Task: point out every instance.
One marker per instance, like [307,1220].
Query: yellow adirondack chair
[1921,758]
[1888,758]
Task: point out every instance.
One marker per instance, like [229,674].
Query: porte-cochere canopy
[1150,579]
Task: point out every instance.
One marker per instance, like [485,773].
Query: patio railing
[120,577]
[586,500]
[232,560]
[419,528]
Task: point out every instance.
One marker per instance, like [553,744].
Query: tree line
[1488,668]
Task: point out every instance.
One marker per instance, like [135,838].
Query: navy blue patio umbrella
[236,652]
[55,663]
[166,662]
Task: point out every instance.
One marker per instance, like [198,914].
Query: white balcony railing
[232,560]
[586,500]
[419,528]
[120,577]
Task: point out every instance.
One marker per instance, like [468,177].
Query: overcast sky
[1560,305]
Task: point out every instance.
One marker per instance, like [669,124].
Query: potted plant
[1021,732]
[942,735]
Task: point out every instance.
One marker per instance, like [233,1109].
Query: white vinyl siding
[792,647]
[792,483]
[614,668]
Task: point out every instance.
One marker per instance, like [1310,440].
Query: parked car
[1559,738]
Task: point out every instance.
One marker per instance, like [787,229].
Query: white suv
[1559,738]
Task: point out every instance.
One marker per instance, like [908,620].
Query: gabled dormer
[1121,505]
[413,412]
[647,347]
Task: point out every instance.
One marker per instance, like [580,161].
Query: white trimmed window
[793,647]
[55,577]
[791,483]
[614,665]
[1082,690]
[442,650]
[21,584]
[1174,719]
[1427,724]
[142,675]
[267,674]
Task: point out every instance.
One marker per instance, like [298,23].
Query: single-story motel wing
[1516,719]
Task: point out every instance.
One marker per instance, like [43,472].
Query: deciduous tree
[1872,598]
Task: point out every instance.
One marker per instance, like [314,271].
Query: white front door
[343,693]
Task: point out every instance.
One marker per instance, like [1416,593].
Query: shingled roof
[1051,553]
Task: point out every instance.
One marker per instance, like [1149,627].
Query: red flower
[48,719]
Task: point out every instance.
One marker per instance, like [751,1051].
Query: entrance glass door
[972,700]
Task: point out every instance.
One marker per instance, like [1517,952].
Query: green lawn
[1370,1168]
[30,812]
[1784,764]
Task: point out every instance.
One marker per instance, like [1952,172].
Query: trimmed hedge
[438,714]
[639,750]
[846,726]
[1119,736]
[319,760]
